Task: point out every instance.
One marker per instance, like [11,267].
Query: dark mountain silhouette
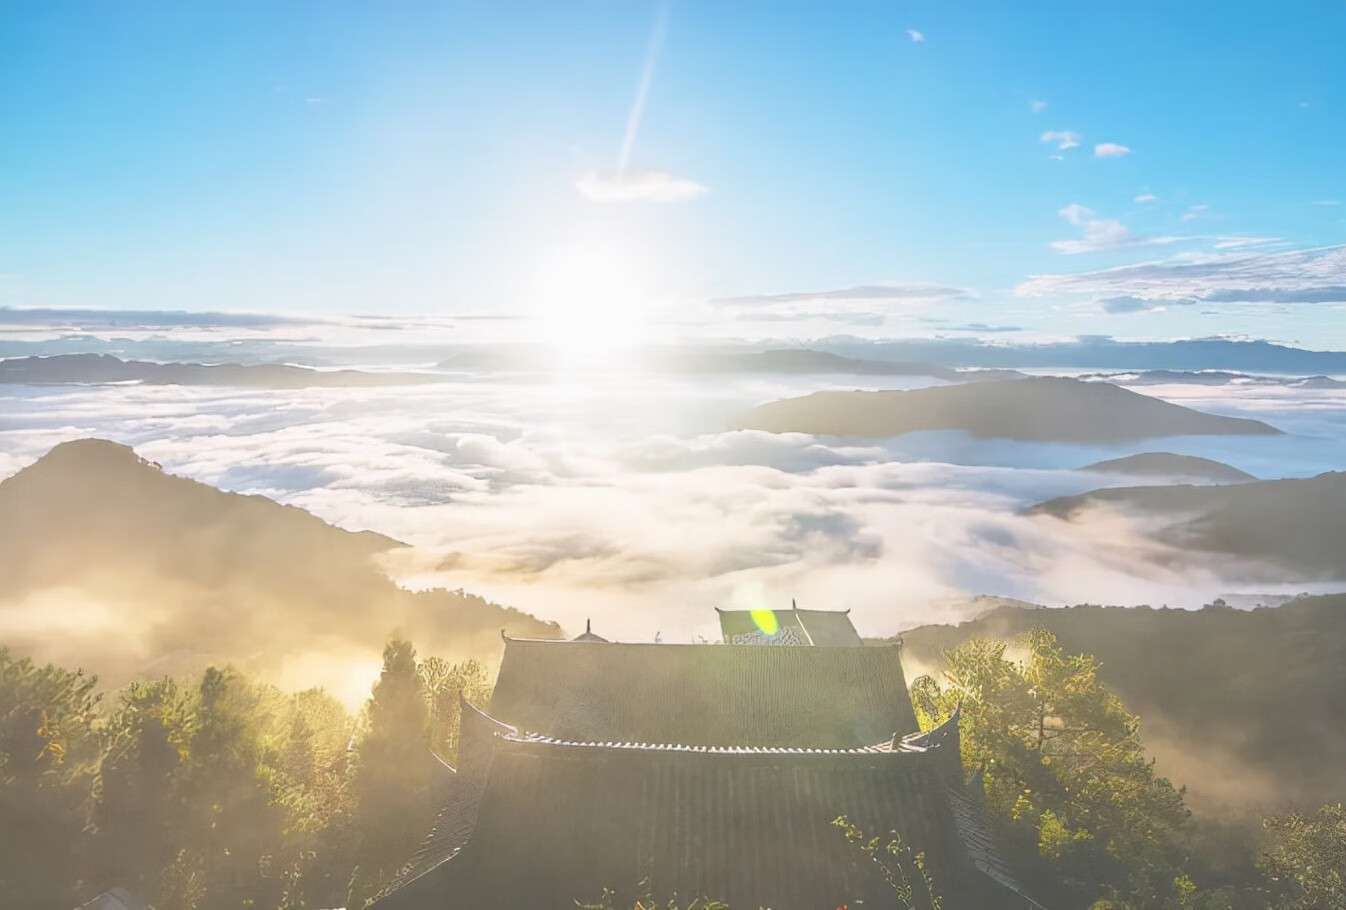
[105,368]
[1244,707]
[1298,525]
[1098,352]
[110,563]
[1167,464]
[697,360]
[1041,409]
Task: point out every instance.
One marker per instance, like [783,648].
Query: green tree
[138,813]
[1063,760]
[394,773]
[1308,856]
[443,682]
[48,752]
[233,829]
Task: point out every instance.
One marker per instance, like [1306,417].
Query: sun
[590,298]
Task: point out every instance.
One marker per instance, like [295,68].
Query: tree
[1062,759]
[48,751]
[1309,856]
[395,771]
[443,684]
[138,812]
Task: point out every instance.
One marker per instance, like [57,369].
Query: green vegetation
[902,868]
[1066,776]
[218,791]
[1309,854]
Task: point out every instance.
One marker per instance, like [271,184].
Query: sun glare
[590,299]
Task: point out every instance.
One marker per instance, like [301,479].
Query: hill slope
[1245,708]
[104,368]
[1297,524]
[1045,409]
[109,563]
[1167,464]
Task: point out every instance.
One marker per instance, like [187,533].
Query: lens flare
[765,621]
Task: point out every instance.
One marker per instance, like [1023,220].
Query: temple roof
[819,628]
[704,695]
[559,822]
[589,634]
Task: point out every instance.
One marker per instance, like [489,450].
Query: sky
[632,170]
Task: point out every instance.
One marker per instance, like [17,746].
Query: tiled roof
[561,822]
[704,695]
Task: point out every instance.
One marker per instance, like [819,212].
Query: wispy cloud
[1194,212]
[1145,197]
[1237,243]
[1236,276]
[1327,202]
[862,305]
[637,186]
[628,184]
[914,35]
[1064,139]
[1100,233]
[1038,106]
[1110,150]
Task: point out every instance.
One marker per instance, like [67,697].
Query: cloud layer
[628,503]
[1316,276]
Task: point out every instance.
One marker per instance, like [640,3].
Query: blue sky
[1140,169]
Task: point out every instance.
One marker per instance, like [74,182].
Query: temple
[702,771]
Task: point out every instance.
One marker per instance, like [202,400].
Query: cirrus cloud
[1244,277]
[1110,150]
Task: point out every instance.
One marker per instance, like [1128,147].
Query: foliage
[48,747]
[216,791]
[647,902]
[1309,855]
[901,867]
[1063,761]
[443,682]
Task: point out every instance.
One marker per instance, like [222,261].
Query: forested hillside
[216,791]
[1244,707]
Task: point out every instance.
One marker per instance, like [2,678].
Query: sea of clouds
[629,500]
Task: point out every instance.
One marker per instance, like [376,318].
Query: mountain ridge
[1169,464]
[108,562]
[1296,524]
[1043,409]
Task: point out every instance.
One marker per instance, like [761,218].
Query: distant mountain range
[1243,707]
[63,369]
[1217,378]
[1039,409]
[1298,524]
[109,563]
[1087,353]
[1167,464]
[1098,353]
[696,360]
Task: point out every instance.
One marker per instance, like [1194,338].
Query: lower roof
[556,824]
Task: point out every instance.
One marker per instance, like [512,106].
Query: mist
[626,501]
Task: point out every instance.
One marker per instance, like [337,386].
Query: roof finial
[792,604]
[588,627]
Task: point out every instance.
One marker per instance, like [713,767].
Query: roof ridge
[893,746]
